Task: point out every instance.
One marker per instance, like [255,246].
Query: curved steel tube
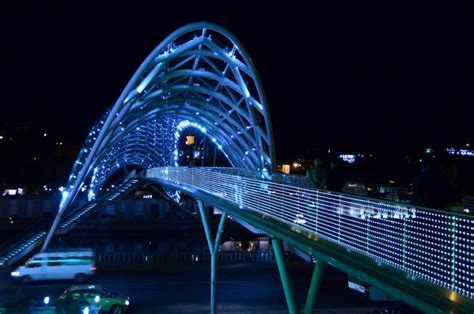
[200,73]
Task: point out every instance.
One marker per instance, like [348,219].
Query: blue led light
[64,195]
[425,244]
[182,126]
[142,128]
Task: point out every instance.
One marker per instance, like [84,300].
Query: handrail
[429,244]
[38,229]
[302,182]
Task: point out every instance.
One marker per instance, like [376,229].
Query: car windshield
[108,293]
[65,293]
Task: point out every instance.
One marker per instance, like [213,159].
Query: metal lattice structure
[425,249]
[199,76]
[147,145]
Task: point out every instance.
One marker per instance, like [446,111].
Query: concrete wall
[27,208]
[134,208]
[32,207]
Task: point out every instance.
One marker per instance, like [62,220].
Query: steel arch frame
[200,73]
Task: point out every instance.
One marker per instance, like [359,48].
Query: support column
[285,279]
[213,248]
[51,232]
[316,279]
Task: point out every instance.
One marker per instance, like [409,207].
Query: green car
[91,299]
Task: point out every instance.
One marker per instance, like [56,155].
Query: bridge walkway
[421,256]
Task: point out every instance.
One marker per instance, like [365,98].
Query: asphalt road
[242,288]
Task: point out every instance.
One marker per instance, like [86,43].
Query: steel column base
[316,279]
[213,248]
[285,278]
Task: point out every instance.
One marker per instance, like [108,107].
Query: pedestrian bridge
[201,77]
[419,255]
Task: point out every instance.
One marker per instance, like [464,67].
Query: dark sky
[337,74]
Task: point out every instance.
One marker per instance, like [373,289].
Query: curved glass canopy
[199,76]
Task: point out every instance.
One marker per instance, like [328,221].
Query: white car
[57,265]
[299,220]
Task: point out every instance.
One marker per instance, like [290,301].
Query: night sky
[336,74]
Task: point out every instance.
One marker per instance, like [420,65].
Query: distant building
[460,152]
[285,168]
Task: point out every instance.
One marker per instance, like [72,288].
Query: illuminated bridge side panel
[432,245]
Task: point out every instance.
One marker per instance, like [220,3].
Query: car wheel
[25,280]
[80,278]
[116,309]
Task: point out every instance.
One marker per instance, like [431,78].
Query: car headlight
[127,302]
[15,274]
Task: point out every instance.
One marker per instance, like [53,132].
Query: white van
[57,265]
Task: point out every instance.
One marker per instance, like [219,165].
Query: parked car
[57,265]
[94,298]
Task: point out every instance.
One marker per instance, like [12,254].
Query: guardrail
[17,247]
[425,243]
[75,216]
[127,259]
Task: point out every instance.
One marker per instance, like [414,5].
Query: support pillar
[51,232]
[213,248]
[285,278]
[316,279]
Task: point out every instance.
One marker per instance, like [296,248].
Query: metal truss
[199,76]
[146,146]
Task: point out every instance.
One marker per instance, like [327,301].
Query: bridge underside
[418,293]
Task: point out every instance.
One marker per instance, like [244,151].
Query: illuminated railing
[429,244]
[76,215]
[19,246]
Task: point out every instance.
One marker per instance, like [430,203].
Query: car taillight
[93,268]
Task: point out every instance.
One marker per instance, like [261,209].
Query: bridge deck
[422,256]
